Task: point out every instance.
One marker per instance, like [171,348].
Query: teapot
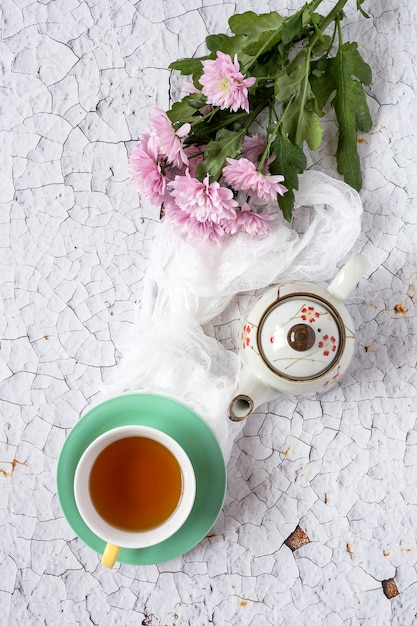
[296,338]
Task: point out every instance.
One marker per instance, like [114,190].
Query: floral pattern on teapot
[329,344]
[331,380]
[246,336]
[309,314]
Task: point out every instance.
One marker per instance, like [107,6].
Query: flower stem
[306,84]
[328,19]
[265,153]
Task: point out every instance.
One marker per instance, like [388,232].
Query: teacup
[134,487]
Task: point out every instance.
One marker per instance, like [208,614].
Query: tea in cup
[134,487]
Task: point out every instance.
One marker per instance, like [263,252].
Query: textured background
[78,81]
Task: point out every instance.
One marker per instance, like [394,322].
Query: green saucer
[188,429]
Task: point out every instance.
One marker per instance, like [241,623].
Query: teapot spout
[252,392]
[240,407]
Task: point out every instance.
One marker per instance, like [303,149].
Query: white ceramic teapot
[296,338]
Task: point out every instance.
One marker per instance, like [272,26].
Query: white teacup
[134,487]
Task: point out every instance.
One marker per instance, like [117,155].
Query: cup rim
[118,536]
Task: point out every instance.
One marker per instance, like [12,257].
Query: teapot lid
[301,336]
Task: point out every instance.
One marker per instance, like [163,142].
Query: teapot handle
[348,277]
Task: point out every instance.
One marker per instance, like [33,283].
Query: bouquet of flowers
[235,144]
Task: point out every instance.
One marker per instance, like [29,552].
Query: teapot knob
[301,337]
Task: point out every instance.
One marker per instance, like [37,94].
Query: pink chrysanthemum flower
[146,170]
[247,221]
[253,147]
[203,200]
[189,225]
[169,139]
[241,174]
[224,84]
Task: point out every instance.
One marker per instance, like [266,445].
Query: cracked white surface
[78,81]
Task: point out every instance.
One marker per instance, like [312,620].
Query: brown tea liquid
[135,483]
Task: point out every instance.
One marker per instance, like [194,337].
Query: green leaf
[252,34]
[265,42]
[352,64]
[322,81]
[236,45]
[293,28]
[196,100]
[350,72]
[290,161]
[257,33]
[300,23]
[252,24]
[182,112]
[215,42]
[286,85]
[300,120]
[340,80]
[309,129]
[187,66]
[268,64]
[203,131]
[227,144]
